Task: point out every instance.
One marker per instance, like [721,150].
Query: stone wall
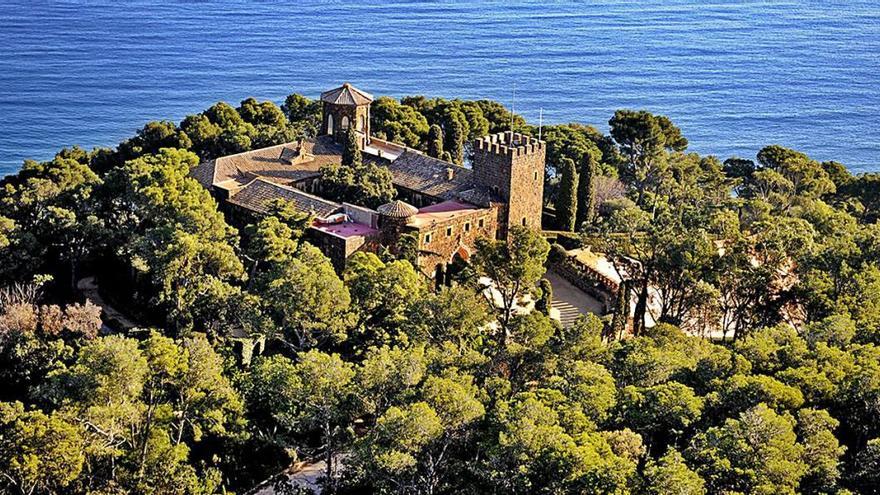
[586,279]
[512,165]
[442,248]
[355,114]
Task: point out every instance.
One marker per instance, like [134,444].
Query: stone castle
[446,207]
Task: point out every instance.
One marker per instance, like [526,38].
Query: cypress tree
[566,200]
[586,202]
[621,310]
[456,141]
[435,141]
[351,152]
[546,301]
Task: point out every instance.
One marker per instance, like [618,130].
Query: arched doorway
[459,268]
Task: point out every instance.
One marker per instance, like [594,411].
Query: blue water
[734,76]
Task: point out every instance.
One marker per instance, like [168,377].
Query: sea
[734,75]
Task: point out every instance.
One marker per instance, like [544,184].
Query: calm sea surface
[734,75]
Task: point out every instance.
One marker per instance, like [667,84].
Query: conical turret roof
[397,209]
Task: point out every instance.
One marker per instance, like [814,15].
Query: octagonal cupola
[345,107]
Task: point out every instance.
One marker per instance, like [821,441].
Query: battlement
[512,144]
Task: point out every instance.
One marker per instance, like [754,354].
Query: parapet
[509,143]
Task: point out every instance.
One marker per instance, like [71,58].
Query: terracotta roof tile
[347,95]
[397,209]
[259,193]
[285,163]
[428,175]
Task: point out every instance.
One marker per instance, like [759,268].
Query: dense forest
[251,352]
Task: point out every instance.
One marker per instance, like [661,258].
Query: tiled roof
[284,163]
[428,175]
[259,193]
[347,95]
[397,209]
[203,173]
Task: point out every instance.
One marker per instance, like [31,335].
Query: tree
[389,375]
[381,293]
[153,137]
[545,302]
[39,453]
[435,141]
[306,299]
[514,266]
[670,474]
[368,184]
[313,395]
[270,125]
[303,114]
[398,122]
[643,139]
[141,408]
[822,451]
[661,413]
[455,135]
[567,199]
[351,150]
[867,473]
[586,190]
[757,453]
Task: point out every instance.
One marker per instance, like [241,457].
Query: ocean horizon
[734,76]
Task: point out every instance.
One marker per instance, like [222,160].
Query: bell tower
[345,107]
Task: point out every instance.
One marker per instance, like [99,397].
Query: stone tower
[511,165]
[344,107]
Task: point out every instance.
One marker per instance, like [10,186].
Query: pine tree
[567,200]
[586,196]
[435,141]
[351,152]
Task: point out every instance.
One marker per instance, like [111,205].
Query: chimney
[450,173]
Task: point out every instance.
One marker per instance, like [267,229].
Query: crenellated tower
[511,165]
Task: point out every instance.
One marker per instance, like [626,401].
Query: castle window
[329,124]
[536,175]
[467,226]
[428,238]
[361,125]
[448,231]
[480,223]
[345,122]
[524,222]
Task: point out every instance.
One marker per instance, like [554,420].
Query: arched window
[362,123]
[345,122]
[329,124]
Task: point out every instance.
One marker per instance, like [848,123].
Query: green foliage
[39,453]
[435,141]
[303,113]
[756,453]
[670,474]
[351,151]
[446,391]
[306,298]
[514,266]
[397,122]
[366,184]
[586,190]
[567,199]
